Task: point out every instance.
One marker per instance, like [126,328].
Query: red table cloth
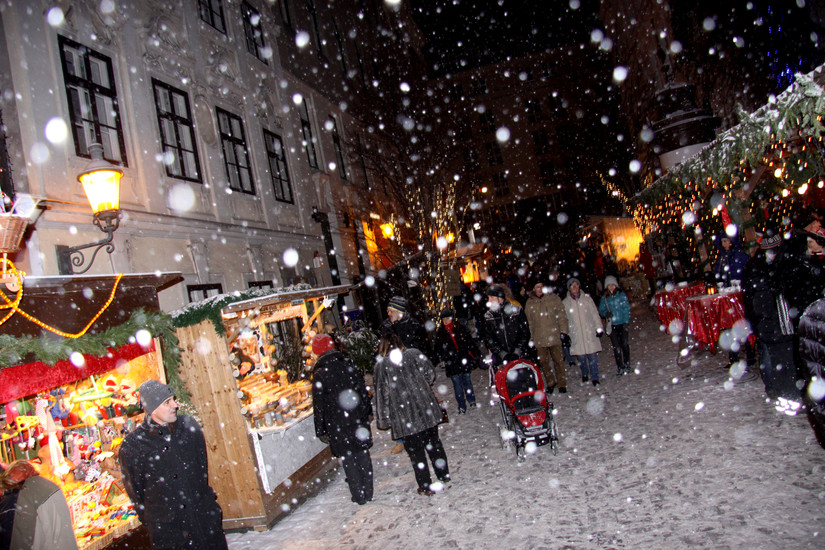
[670,305]
[709,315]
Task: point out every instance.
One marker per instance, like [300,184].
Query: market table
[707,315]
[670,304]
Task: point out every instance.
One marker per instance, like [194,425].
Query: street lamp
[101,182]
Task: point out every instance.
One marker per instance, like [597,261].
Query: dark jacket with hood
[165,474]
[761,291]
[410,331]
[812,351]
[803,275]
[342,406]
[731,263]
[507,334]
[456,349]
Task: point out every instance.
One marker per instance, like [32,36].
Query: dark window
[456,92]
[253,31]
[306,130]
[92,97]
[235,152]
[202,292]
[286,12]
[471,159]
[541,144]
[277,167]
[526,75]
[360,61]
[340,43]
[313,14]
[546,173]
[177,132]
[533,109]
[478,86]
[339,149]
[488,121]
[211,12]
[260,284]
[494,157]
[502,188]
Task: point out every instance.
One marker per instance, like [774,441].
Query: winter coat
[618,306]
[760,298]
[410,331]
[342,406]
[464,303]
[812,351]
[404,400]
[41,518]
[546,318]
[165,474]
[584,321]
[803,276]
[457,350]
[507,334]
[731,263]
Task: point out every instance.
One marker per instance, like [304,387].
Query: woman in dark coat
[455,348]
[812,349]
[342,411]
[405,402]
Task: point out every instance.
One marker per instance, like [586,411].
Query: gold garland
[14,306]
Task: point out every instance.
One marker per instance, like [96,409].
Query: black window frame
[178,120]
[308,135]
[260,284]
[286,13]
[339,149]
[541,141]
[487,120]
[478,86]
[205,289]
[501,187]
[235,142]
[313,15]
[533,109]
[75,86]
[278,169]
[494,156]
[212,17]
[253,34]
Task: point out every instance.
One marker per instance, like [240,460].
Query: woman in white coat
[585,329]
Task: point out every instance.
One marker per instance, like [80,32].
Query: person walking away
[342,410]
[649,269]
[409,330]
[456,350]
[547,320]
[615,307]
[166,475]
[585,329]
[406,404]
[33,511]
[767,310]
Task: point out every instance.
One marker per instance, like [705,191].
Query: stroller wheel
[521,452]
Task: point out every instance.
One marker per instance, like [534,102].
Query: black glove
[510,357]
[599,332]
[565,339]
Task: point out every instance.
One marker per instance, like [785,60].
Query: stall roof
[280,297]
[68,283]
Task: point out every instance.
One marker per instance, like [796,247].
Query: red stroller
[527,414]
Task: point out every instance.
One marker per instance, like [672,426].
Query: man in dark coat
[342,410]
[731,262]
[456,349]
[403,324]
[506,332]
[165,473]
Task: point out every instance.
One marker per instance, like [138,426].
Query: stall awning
[282,297]
[30,378]
[466,252]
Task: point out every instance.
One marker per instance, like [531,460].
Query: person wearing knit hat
[165,474]
[322,343]
[398,303]
[585,328]
[615,307]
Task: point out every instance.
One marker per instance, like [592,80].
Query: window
[339,150]
[546,173]
[277,167]
[502,188]
[478,86]
[340,43]
[361,150]
[260,284]
[313,14]
[494,157]
[92,98]
[533,110]
[471,159]
[309,139]
[286,15]
[202,292]
[541,144]
[211,12]
[488,121]
[177,132]
[235,153]
[456,92]
[253,31]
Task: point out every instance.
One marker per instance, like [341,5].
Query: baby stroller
[527,414]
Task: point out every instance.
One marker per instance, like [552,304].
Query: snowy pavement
[665,458]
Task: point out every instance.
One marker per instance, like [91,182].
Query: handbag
[608,326]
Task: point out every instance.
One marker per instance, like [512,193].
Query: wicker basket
[11,232]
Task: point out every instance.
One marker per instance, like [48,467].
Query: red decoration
[31,378]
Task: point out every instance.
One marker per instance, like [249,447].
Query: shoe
[425,492]
[620,372]
[596,382]
[446,479]
[550,390]
[462,411]
[474,405]
[585,379]
[562,390]
[398,448]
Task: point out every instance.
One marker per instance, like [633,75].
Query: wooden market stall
[69,415]
[248,381]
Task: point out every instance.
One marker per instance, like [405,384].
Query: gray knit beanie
[153,394]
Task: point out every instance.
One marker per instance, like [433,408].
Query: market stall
[707,315]
[248,379]
[670,303]
[68,417]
